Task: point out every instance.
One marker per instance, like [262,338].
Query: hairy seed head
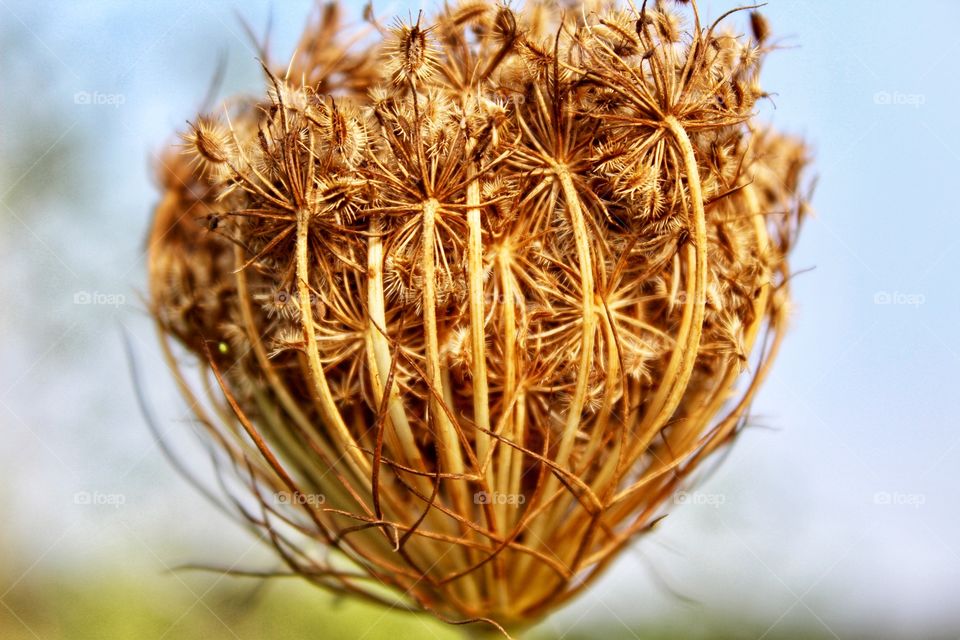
[411,56]
[495,288]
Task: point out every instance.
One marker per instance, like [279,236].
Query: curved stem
[575,410]
[484,631]
[380,359]
[318,377]
[588,333]
[684,356]
[700,270]
[712,405]
[511,461]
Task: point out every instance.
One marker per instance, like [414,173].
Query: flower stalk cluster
[493,287]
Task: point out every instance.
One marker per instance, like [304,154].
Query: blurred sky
[839,512]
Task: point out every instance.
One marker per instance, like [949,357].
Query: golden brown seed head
[493,296]
[410,53]
[759,26]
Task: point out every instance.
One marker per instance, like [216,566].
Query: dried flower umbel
[474,302]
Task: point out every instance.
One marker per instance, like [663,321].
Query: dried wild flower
[493,289]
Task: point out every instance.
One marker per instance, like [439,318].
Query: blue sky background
[840,514]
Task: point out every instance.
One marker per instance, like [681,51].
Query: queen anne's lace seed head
[492,290]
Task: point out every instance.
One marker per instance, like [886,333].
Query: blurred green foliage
[188,607]
[185,606]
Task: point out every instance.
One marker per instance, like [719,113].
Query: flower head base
[493,290]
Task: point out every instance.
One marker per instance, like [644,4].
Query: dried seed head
[514,245]
[468,12]
[617,31]
[211,145]
[504,29]
[669,25]
[411,55]
[759,26]
[539,58]
[282,93]
[340,133]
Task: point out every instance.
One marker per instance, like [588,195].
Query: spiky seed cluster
[493,289]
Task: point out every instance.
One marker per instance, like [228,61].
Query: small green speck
[223,348]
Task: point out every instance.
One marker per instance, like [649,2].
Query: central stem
[451,453]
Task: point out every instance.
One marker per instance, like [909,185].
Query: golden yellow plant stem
[481,396]
[730,422]
[611,385]
[478,362]
[589,315]
[776,320]
[330,413]
[451,452]
[712,406]
[276,385]
[539,536]
[380,358]
[763,245]
[511,460]
[479,631]
[334,492]
[683,358]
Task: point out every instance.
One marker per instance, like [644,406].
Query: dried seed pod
[211,146]
[488,305]
[759,26]
[411,56]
